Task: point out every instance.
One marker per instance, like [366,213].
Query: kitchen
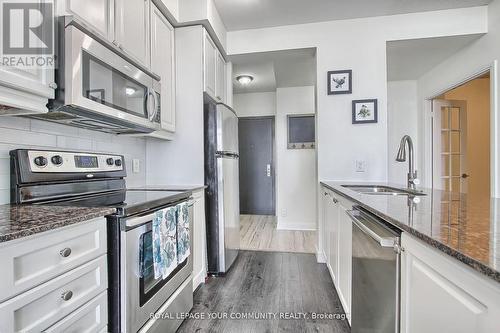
[125,129]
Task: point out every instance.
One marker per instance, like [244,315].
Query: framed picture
[364,111]
[340,82]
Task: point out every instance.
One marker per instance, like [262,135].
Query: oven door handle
[138,221]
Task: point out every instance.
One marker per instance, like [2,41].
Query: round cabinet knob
[40,161]
[118,162]
[110,161]
[66,296]
[57,160]
[65,252]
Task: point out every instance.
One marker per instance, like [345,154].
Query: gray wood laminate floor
[260,233]
[274,283]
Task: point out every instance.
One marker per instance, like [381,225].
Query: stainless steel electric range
[43,177]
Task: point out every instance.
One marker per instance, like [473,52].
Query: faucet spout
[401,157]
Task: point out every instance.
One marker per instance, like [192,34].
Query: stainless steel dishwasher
[375,274]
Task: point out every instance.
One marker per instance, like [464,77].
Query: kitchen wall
[35,134]
[479,56]
[255,104]
[296,168]
[360,45]
[402,118]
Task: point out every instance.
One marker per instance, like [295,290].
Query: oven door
[141,294]
[102,82]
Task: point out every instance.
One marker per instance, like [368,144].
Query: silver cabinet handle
[66,296]
[66,252]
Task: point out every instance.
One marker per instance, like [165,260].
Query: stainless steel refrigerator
[222,180]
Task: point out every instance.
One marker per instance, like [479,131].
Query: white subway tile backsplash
[35,134]
[23,137]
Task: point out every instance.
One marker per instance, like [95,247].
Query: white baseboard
[296,226]
[199,278]
[320,257]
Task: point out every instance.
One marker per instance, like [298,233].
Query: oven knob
[40,161]
[57,160]
[118,162]
[110,161]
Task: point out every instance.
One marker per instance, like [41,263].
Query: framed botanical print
[340,82]
[364,111]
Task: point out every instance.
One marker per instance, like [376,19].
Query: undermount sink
[381,190]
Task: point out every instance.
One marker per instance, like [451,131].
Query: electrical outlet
[284,213]
[360,166]
[136,165]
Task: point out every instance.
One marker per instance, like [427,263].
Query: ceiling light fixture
[130,91]
[244,79]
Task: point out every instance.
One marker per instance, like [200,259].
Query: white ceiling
[410,59]
[251,14]
[271,70]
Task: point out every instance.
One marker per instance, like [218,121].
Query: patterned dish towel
[183,238]
[165,242]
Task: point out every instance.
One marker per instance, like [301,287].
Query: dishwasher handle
[383,241]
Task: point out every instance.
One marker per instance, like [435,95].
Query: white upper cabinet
[97,14]
[132,29]
[162,63]
[209,59]
[440,294]
[220,79]
[26,89]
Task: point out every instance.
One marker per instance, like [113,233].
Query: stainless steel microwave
[99,87]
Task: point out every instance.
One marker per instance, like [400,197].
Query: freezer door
[229,211]
[227,129]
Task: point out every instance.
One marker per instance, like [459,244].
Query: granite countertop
[167,187]
[17,221]
[464,227]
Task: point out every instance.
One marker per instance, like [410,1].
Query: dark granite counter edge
[55,225]
[471,262]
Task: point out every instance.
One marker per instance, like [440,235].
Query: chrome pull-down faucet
[401,157]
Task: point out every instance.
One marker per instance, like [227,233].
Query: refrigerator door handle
[226,154]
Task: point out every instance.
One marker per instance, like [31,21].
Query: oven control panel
[66,162]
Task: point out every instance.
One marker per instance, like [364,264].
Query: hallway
[271,284]
[260,233]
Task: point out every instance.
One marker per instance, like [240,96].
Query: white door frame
[494,126]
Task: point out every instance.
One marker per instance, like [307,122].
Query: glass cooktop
[126,202]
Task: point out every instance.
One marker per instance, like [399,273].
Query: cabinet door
[322,233]
[440,294]
[220,79]
[132,28]
[333,222]
[199,239]
[345,260]
[95,13]
[209,58]
[162,63]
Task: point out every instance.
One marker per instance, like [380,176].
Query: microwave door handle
[150,114]
[155,100]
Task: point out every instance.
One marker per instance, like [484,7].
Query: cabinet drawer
[91,317]
[44,305]
[28,262]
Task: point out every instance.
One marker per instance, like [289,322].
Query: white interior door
[450,145]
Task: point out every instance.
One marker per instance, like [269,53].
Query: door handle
[464,175]
[268,170]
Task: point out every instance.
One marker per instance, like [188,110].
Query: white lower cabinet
[345,260]
[440,294]
[55,281]
[336,236]
[199,239]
